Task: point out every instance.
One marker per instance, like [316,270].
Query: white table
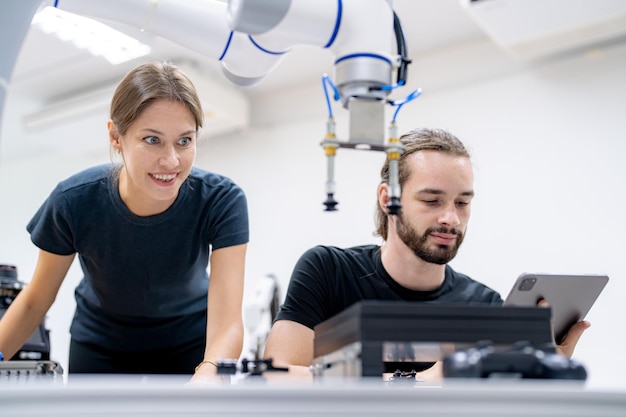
[166,396]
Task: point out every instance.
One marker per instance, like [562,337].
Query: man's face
[435,205]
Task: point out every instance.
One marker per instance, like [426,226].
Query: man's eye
[431,202]
[151,140]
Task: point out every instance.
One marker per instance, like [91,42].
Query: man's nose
[450,217]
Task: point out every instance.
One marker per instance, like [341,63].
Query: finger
[572,337]
[543,303]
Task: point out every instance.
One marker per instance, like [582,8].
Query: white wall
[547,142]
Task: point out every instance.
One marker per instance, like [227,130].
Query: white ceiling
[48,68]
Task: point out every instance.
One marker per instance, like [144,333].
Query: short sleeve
[51,227]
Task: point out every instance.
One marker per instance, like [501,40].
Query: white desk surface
[172,396]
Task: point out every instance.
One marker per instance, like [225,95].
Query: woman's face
[158,151]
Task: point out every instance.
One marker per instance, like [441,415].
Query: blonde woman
[145,231]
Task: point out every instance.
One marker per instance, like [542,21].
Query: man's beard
[440,255]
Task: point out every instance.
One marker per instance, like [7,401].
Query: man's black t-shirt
[326,280]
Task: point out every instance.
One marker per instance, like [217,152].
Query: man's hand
[568,344]
[571,338]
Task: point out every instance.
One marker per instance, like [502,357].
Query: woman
[144,230]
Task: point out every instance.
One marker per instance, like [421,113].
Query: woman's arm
[224,319]
[30,306]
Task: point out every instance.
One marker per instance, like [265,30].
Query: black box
[374,332]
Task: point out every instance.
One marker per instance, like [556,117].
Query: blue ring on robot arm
[230,38]
[362,55]
[263,49]
[333,36]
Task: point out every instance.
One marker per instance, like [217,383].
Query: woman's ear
[114,137]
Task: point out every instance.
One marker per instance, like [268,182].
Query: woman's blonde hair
[149,82]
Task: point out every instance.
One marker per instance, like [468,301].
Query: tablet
[569,296]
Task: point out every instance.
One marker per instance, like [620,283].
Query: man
[436,177]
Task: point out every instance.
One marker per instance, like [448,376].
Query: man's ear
[383,197]
[114,137]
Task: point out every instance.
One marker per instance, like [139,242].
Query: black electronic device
[569,296]
[30,371]
[521,361]
[250,369]
[37,347]
[365,337]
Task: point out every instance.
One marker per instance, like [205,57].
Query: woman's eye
[184,141]
[151,140]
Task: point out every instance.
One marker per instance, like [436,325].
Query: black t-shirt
[145,278]
[326,280]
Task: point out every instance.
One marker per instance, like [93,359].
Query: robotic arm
[250,37]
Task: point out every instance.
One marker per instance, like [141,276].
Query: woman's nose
[169,158]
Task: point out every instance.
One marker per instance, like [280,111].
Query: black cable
[402,50]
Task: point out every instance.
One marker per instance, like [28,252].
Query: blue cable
[415,94]
[326,81]
[391,87]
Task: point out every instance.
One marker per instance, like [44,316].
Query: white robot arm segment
[200,25]
[358,32]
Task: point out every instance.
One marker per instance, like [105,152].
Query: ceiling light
[95,37]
